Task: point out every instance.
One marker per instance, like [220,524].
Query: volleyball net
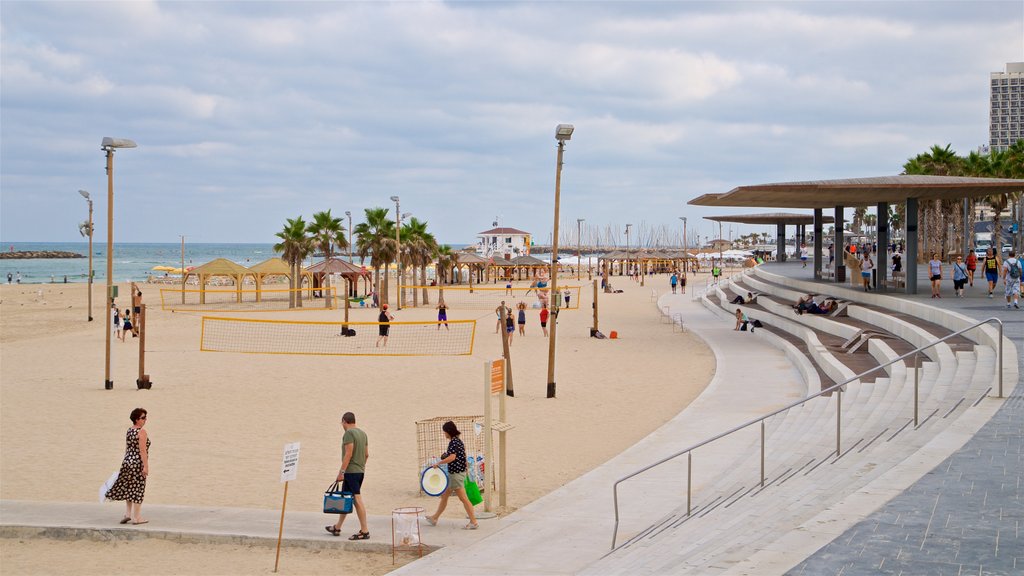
[489,298]
[260,336]
[245,300]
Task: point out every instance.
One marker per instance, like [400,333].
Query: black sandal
[334,531]
[360,536]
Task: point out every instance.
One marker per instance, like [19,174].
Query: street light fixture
[563,133]
[398,250]
[579,246]
[108,145]
[89,200]
[685,245]
[627,249]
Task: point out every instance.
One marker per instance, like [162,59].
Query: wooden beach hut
[347,270]
[531,265]
[274,267]
[474,264]
[220,267]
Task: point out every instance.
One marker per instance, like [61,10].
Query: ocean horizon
[133,261]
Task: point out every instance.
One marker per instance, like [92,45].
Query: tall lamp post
[685,245]
[349,214]
[182,269]
[398,249]
[108,146]
[579,246]
[627,248]
[562,133]
[89,200]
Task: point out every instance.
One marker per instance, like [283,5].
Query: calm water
[132,261]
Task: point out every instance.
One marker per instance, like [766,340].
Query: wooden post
[488,440]
[141,321]
[595,307]
[280,530]
[506,353]
[503,449]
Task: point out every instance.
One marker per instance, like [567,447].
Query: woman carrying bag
[455,458]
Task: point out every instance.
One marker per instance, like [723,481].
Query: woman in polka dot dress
[131,481]
[455,458]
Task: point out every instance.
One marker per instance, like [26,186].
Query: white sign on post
[290,462]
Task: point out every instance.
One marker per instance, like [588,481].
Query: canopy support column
[910,259]
[818,226]
[882,260]
[780,242]
[839,248]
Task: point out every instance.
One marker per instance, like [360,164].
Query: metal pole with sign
[289,471]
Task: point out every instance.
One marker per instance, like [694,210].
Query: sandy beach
[218,421]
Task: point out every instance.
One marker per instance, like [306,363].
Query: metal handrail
[838,388]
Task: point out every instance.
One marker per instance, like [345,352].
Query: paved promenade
[570,528]
[966,516]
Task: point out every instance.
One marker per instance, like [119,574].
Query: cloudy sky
[250,112]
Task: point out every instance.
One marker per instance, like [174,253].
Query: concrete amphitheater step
[957,377]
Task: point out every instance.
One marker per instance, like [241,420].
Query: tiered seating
[733,515]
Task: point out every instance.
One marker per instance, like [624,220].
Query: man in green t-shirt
[354,452]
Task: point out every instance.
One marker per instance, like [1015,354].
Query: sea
[133,262]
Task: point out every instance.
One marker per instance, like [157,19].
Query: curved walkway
[571,527]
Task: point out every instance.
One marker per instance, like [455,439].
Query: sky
[248,113]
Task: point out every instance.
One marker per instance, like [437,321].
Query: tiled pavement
[966,516]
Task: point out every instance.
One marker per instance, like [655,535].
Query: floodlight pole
[579,247]
[562,133]
[182,269]
[628,271]
[398,251]
[108,145]
[89,200]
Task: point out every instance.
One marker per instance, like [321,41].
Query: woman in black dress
[384,317]
[130,485]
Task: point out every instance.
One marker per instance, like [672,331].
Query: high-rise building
[1006,113]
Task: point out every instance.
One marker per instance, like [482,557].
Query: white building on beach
[502,242]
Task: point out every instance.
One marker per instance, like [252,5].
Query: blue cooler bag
[336,501]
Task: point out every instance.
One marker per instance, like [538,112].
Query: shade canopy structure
[851,192]
[770,218]
[519,265]
[473,263]
[220,267]
[338,266]
[859,191]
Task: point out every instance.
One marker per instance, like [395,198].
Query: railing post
[917,379]
[999,368]
[689,479]
[839,418]
[762,453]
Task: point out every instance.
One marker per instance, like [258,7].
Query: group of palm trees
[943,219]
[374,239]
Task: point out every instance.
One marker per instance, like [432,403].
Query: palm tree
[445,262]
[421,247]
[294,246]
[375,239]
[326,232]
[937,161]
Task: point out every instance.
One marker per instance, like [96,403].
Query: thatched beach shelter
[474,264]
[220,267]
[349,271]
[274,267]
[531,265]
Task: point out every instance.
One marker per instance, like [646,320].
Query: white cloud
[452,105]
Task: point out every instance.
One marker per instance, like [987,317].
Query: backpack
[1015,270]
